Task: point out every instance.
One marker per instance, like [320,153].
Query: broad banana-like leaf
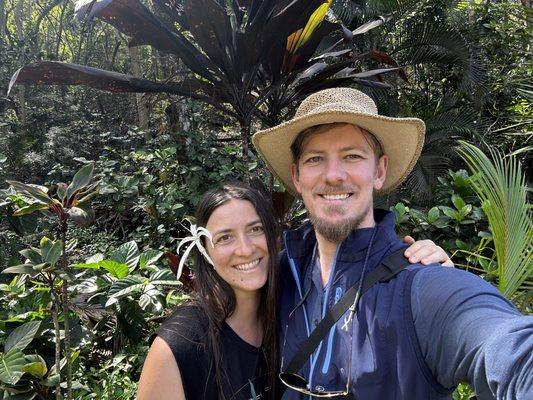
[11,364]
[22,336]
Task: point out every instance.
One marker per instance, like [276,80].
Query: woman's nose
[245,247]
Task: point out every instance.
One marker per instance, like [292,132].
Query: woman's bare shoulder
[160,378]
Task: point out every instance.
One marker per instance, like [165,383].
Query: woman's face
[239,250]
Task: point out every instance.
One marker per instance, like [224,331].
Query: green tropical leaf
[167,282]
[36,193]
[116,269]
[32,254]
[450,212]
[22,336]
[125,287]
[81,179]
[30,209]
[51,380]
[163,274]
[433,215]
[21,269]
[53,254]
[61,191]
[501,185]
[45,244]
[128,253]
[11,364]
[149,257]
[37,369]
[458,202]
[82,215]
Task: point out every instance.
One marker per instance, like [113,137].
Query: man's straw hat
[401,138]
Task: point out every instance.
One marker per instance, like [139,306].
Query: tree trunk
[2,20]
[142,108]
[64,301]
[56,303]
[245,137]
[21,94]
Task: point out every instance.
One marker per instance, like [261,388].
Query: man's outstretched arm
[469,332]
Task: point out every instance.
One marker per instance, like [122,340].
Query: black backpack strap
[389,267]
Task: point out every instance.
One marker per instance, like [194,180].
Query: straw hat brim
[401,138]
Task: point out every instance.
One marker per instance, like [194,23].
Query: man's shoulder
[445,288]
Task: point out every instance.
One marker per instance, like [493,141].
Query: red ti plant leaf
[382,57]
[135,20]
[59,73]
[186,277]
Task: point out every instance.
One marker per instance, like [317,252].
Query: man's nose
[335,171]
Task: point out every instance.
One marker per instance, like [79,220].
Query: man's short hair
[297,145]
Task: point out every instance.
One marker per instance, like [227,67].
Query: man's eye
[353,157]
[313,159]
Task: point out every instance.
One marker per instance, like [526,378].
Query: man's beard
[336,232]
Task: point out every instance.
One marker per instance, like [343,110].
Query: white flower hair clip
[194,239]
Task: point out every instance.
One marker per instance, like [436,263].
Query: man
[415,336]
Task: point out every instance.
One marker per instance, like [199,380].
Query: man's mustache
[331,190]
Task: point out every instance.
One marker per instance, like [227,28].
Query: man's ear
[295,176]
[381,172]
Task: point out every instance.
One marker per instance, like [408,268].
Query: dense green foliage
[96,272]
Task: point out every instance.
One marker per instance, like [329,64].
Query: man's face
[336,176]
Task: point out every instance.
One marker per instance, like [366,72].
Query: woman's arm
[160,378]
[426,252]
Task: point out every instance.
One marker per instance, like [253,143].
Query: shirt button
[315,322]
[319,388]
[342,371]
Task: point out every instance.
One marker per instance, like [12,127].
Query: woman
[222,345]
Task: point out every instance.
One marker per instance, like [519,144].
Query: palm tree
[501,186]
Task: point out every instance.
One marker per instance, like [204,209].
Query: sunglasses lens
[293,380]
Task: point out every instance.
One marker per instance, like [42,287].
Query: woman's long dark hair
[217,298]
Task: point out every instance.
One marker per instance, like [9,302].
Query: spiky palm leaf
[432,43]
[442,131]
[501,186]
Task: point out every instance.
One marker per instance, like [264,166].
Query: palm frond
[440,44]
[501,186]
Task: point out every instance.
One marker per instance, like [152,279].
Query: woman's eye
[257,229]
[223,239]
